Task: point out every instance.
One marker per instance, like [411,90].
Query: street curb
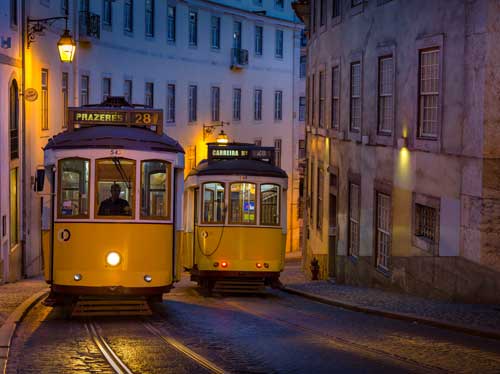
[394,315]
[9,327]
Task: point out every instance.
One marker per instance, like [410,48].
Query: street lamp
[222,138]
[66,45]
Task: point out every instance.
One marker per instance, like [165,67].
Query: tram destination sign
[128,117]
[246,152]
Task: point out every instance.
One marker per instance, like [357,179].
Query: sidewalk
[483,320]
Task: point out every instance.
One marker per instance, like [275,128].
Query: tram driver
[114,205]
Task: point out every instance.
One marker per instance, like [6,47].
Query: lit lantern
[67,47]
[222,138]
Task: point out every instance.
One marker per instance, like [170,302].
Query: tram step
[112,307]
[239,286]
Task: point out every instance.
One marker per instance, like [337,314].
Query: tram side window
[74,188]
[115,187]
[213,203]
[242,203]
[154,190]
[269,204]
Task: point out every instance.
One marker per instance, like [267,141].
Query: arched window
[14,120]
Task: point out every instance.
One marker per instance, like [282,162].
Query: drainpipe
[24,172]
[291,231]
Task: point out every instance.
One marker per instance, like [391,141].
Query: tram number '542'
[145,118]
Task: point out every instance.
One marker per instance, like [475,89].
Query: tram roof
[120,137]
[238,167]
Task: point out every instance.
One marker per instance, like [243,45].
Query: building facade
[403,151]
[205,63]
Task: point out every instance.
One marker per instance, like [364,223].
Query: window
[277,152]
[115,187]
[84,90]
[127,90]
[65,97]
[257,142]
[128,15]
[215,32]
[303,38]
[106,12]
[428,103]
[355,120]
[355,3]
[171,103]
[155,179]
[150,17]
[309,189]
[336,8]
[302,149]
[312,10]
[322,98]
[215,100]
[74,188]
[13,12]
[193,28]
[322,12]
[236,104]
[313,100]
[385,95]
[269,204]
[302,67]
[257,108]
[171,14]
[278,51]
[190,157]
[426,222]
[213,203]
[302,108]
[354,215]
[106,88]
[278,105]
[14,120]
[237,34]
[335,97]
[45,99]
[192,103]
[242,203]
[319,197]
[259,40]
[14,206]
[65,7]
[383,234]
[149,94]
[279,4]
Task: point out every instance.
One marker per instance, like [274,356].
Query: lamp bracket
[209,129]
[37,26]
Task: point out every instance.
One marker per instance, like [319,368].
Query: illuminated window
[269,204]
[115,187]
[45,99]
[336,97]
[65,96]
[242,203]
[213,203]
[354,217]
[74,188]
[155,182]
[171,21]
[355,120]
[385,95]
[428,103]
[383,233]
[190,157]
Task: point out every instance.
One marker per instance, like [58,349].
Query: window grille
[192,103]
[385,95]
[171,103]
[257,112]
[425,222]
[354,216]
[383,230]
[278,105]
[215,103]
[236,104]
[335,97]
[171,11]
[45,99]
[355,120]
[322,99]
[429,80]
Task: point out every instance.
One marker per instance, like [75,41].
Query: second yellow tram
[235,219]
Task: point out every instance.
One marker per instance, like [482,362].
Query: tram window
[74,188]
[269,204]
[242,203]
[213,203]
[154,196]
[115,187]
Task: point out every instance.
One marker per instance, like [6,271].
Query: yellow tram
[235,219]
[115,215]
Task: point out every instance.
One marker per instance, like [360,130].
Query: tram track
[341,343]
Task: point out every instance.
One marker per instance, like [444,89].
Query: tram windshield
[242,203]
[154,197]
[213,203]
[114,187]
[269,204]
[74,188]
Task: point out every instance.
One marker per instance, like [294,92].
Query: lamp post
[66,45]
[222,137]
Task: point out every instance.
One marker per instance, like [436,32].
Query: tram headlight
[113,258]
[223,264]
[77,277]
[148,278]
[259,265]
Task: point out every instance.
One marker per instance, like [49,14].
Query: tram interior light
[113,258]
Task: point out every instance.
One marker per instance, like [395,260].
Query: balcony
[90,26]
[239,58]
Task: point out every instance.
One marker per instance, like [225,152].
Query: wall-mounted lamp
[209,129]
[402,143]
[66,45]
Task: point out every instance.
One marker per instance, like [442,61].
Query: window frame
[215,32]
[352,97]
[260,204]
[84,88]
[381,95]
[44,99]
[236,104]
[105,82]
[107,22]
[384,191]
[257,211]
[59,189]
[149,94]
[171,24]
[192,103]
[322,99]
[168,185]
[336,97]
[13,120]
[192,28]
[320,198]
[170,109]
[302,108]
[259,40]
[202,200]
[257,105]
[278,147]
[149,15]
[130,89]
[128,14]
[278,105]
[279,48]
[431,247]
[350,220]
[215,103]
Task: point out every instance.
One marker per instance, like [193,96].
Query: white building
[203,62]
